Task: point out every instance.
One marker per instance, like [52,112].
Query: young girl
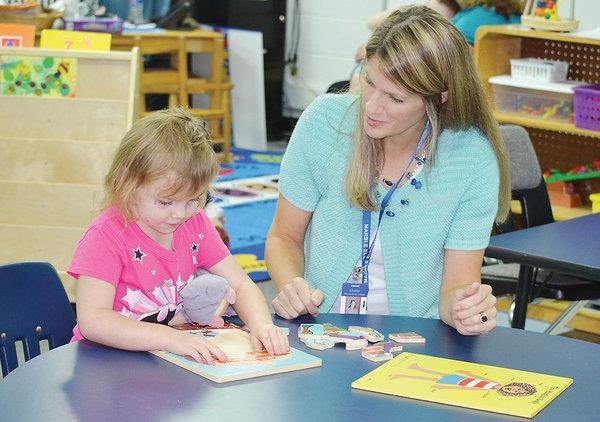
[135,258]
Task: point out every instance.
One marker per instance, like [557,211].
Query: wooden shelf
[557,145]
[523,32]
[57,152]
[544,124]
[175,80]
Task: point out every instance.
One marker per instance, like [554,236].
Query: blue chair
[34,307]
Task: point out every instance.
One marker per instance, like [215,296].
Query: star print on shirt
[153,271]
[200,236]
[194,260]
[138,255]
[194,247]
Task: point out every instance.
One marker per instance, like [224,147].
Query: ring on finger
[483,317]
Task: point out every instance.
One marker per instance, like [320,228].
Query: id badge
[353,299]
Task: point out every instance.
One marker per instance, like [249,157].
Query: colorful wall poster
[38,76]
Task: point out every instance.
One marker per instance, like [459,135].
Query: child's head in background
[163,167]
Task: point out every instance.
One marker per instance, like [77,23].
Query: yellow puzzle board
[437,380]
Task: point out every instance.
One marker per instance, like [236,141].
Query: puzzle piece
[381,351]
[318,343]
[353,340]
[389,346]
[369,333]
[376,354]
[406,338]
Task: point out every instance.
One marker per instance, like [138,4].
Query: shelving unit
[176,81]
[55,152]
[558,145]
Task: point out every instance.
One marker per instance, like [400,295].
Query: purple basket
[111,25]
[586,107]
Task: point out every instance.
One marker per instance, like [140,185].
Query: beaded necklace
[420,159]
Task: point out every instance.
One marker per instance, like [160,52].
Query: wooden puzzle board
[243,362]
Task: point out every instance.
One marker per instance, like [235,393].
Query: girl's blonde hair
[168,143]
[424,54]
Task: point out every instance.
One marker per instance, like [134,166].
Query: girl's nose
[179,211]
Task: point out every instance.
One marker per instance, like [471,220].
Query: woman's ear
[444,96]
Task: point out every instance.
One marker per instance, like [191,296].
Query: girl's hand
[271,338]
[474,309]
[297,298]
[194,346]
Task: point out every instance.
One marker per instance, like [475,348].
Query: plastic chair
[529,188]
[34,308]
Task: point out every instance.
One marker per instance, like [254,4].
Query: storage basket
[539,70]
[586,107]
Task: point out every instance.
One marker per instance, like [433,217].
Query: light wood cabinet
[55,152]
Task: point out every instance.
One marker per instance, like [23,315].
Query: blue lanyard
[367,249]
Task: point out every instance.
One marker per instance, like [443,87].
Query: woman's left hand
[474,309]
[271,338]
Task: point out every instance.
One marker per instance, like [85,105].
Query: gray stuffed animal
[206,298]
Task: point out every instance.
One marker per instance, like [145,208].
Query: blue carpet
[249,206]
[247,164]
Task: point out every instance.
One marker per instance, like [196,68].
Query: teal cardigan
[454,209]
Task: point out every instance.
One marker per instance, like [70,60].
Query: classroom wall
[331,31]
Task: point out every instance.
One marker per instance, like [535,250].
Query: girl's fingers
[196,356]
[217,352]
[206,356]
[267,341]
[279,342]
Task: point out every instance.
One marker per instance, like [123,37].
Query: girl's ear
[444,96]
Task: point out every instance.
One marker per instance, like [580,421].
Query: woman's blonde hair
[168,143]
[424,54]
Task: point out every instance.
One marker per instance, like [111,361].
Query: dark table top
[571,246]
[85,381]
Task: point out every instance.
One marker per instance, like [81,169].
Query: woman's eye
[396,100]
[194,200]
[165,203]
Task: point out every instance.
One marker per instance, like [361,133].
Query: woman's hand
[194,346]
[271,338]
[474,309]
[297,298]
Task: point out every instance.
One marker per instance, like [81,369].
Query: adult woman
[397,187]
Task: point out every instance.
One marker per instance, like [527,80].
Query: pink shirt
[147,277]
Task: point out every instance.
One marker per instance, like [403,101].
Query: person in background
[388,196]
[152,8]
[136,257]
[466,15]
